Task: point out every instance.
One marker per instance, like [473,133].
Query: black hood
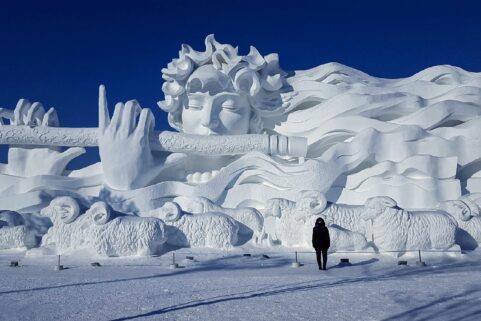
[320,222]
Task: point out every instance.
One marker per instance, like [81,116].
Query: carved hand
[29,161]
[127,158]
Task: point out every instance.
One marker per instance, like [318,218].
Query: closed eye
[229,104]
[195,106]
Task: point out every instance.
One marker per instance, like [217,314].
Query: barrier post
[58,267]
[296,263]
[173,265]
[420,262]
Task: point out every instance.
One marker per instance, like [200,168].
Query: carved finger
[115,122]
[104,117]
[35,114]
[50,118]
[7,114]
[129,117]
[20,112]
[146,122]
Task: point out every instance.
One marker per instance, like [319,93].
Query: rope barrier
[313,252]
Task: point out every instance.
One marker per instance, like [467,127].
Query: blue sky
[59,52]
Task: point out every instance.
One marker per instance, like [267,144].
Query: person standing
[321,242]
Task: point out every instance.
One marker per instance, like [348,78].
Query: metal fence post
[296,263]
[420,262]
[58,267]
[173,265]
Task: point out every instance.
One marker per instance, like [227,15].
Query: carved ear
[472,205]
[458,209]
[313,201]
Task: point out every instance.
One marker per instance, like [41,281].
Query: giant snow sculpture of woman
[414,139]
[216,92]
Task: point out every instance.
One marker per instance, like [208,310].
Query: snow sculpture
[250,221]
[21,230]
[209,229]
[395,229]
[11,218]
[29,161]
[346,216]
[13,232]
[293,223]
[12,237]
[252,138]
[93,233]
[467,214]
[351,229]
[344,240]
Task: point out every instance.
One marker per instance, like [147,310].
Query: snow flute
[160,141]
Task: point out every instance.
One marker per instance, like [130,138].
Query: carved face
[457,208]
[213,107]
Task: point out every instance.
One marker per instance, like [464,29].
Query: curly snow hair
[261,78]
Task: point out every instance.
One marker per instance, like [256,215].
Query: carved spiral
[67,208]
[169,212]
[100,213]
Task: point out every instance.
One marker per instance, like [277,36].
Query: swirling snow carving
[416,140]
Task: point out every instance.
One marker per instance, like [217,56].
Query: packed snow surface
[222,286]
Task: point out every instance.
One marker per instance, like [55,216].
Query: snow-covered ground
[229,286]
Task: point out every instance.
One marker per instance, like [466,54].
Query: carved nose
[210,123]
[209,118]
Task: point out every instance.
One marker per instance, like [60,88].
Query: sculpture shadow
[117,202]
[316,285]
[223,263]
[449,307]
[465,240]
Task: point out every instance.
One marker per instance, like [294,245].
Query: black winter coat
[320,238]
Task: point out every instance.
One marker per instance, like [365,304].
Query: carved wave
[373,128]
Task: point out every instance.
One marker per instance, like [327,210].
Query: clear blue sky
[59,52]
